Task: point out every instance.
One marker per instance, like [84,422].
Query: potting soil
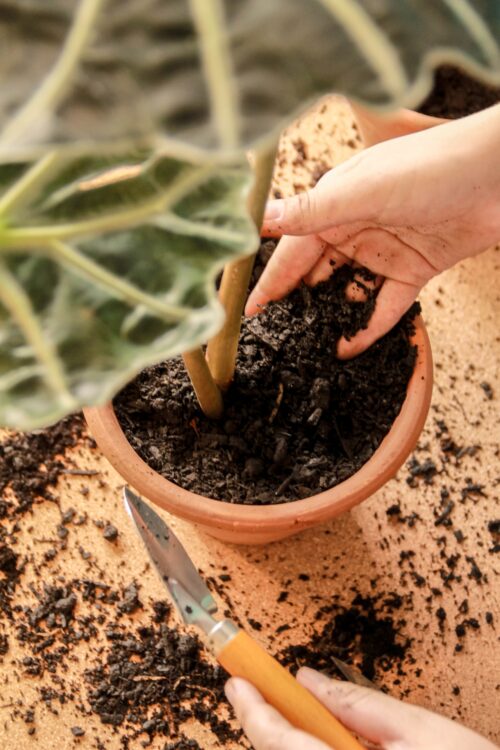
[456,94]
[297,420]
[77,641]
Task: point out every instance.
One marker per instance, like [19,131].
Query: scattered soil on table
[155,678]
[297,420]
[456,94]
[152,679]
[147,678]
[30,466]
[438,470]
[32,462]
[368,634]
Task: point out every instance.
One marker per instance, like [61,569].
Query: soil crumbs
[297,420]
[369,634]
[143,675]
[147,679]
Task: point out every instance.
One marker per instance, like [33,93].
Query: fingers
[374,716]
[392,302]
[263,725]
[388,722]
[338,198]
[311,259]
[291,261]
[357,290]
[329,262]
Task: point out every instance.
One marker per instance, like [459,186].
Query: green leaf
[109,246]
[221,73]
[105,269]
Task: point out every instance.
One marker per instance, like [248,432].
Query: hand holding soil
[407,209]
[368,713]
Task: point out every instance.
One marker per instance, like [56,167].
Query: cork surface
[434,565]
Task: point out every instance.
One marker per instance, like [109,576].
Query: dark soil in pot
[297,420]
[456,94]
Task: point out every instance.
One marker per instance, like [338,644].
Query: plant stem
[19,195]
[120,219]
[80,263]
[218,70]
[208,394]
[17,303]
[48,95]
[222,350]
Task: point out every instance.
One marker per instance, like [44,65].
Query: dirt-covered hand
[371,715]
[407,209]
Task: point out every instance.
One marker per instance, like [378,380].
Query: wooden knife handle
[243,657]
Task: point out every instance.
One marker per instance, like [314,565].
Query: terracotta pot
[375,128]
[243,524]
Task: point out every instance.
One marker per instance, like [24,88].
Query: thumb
[304,213]
[386,721]
[340,197]
[371,714]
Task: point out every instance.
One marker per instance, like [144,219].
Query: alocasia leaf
[114,218]
[105,269]
[221,73]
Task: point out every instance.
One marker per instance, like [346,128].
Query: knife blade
[165,550]
[235,650]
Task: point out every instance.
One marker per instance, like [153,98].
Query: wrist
[475,145]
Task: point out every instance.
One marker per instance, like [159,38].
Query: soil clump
[368,634]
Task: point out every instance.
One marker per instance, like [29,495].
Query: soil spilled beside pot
[297,420]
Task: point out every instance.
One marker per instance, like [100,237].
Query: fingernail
[315,681]
[345,349]
[310,678]
[274,211]
[255,308]
[231,690]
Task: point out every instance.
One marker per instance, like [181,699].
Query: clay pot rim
[199,509]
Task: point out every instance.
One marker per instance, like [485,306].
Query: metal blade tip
[166,551]
[131,501]
[128,498]
[127,503]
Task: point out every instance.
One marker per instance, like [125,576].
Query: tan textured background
[462,311]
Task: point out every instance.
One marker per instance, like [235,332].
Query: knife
[353,675]
[234,649]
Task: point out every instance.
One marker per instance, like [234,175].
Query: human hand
[407,209]
[372,715]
